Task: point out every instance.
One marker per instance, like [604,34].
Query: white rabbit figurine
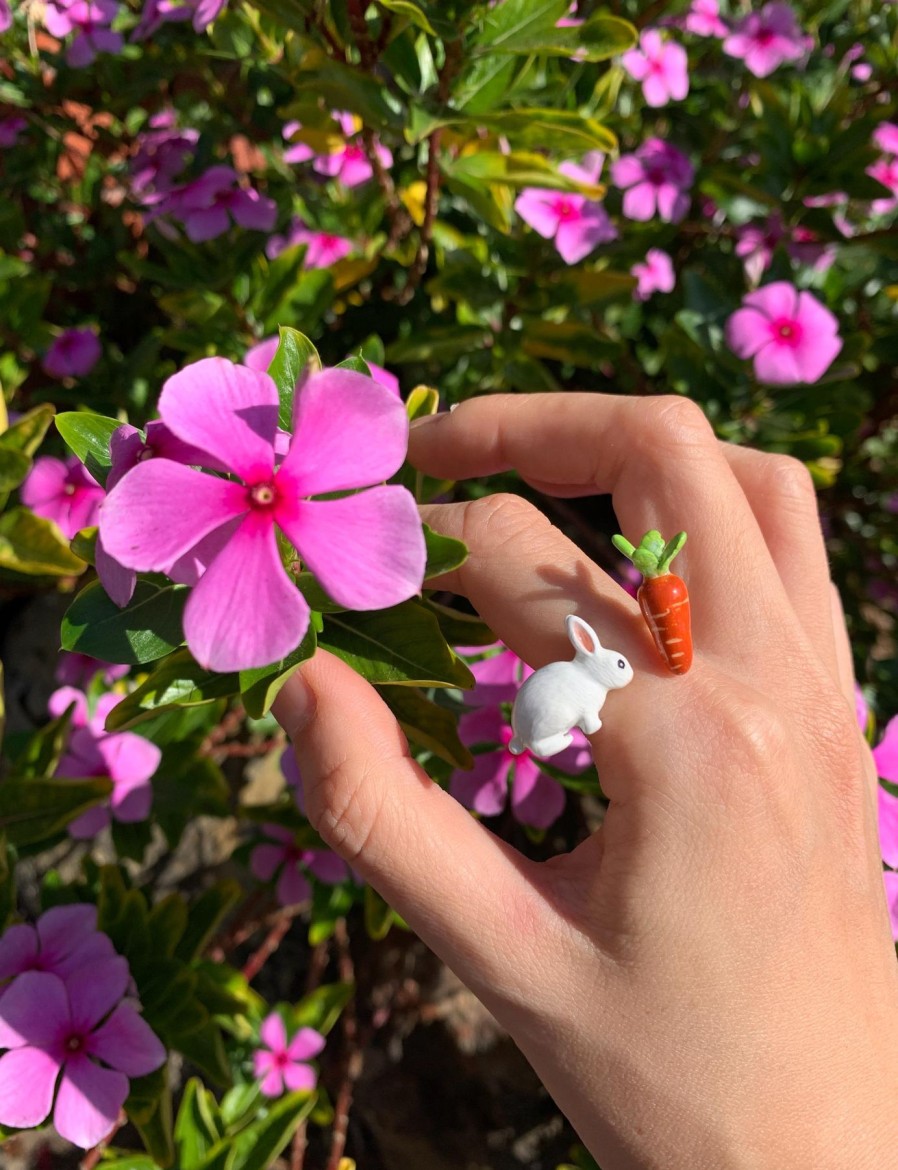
[564,695]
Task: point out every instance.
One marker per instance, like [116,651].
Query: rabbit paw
[590,726]
[551,745]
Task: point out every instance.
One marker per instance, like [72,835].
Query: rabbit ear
[583,637]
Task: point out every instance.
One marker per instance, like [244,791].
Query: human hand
[708,981]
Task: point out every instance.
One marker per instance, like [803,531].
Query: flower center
[657,176]
[565,209]
[75,1043]
[786,331]
[262,495]
[764,36]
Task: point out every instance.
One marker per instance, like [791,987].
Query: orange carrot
[662,596]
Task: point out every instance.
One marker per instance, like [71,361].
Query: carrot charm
[662,596]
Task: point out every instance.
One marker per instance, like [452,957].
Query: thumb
[467,894]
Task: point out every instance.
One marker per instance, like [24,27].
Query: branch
[257,960]
[355,1054]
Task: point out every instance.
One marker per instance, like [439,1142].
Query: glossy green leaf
[517,169]
[36,810]
[444,553]
[259,688]
[43,749]
[147,629]
[378,915]
[294,354]
[427,724]
[531,26]
[321,1008]
[461,629]
[413,12]
[205,1048]
[204,916]
[257,1147]
[198,1127]
[35,546]
[27,433]
[402,645]
[178,681]
[87,435]
[14,466]
[567,130]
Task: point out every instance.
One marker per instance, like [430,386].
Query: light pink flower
[279,1064]
[158,12]
[5,16]
[322,248]
[703,19]
[64,492]
[260,356]
[89,20]
[767,39]
[885,137]
[385,378]
[661,66]
[350,163]
[367,549]
[78,1041]
[885,171]
[790,335]
[64,939]
[127,759]
[756,243]
[885,755]
[162,153]
[281,853]
[655,180]
[298,152]
[72,354]
[575,223]
[655,274]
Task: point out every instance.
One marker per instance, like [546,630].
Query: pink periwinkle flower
[77,1040]
[322,248]
[10,129]
[767,39]
[260,356]
[158,12]
[654,274]
[574,222]
[5,16]
[206,205]
[885,171]
[885,754]
[281,855]
[756,243]
[279,1064]
[89,20]
[703,19]
[162,153]
[790,335]
[127,759]
[64,939]
[72,354]
[79,670]
[885,137]
[661,66]
[366,549]
[296,152]
[63,491]
[537,799]
[656,180]
[350,163]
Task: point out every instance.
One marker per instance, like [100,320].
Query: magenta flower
[279,1064]
[206,205]
[575,223]
[367,549]
[64,492]
[885,171]
[259,356]
[78,1041]
[661,66]
[790,335]
[72,354]
[78,670]
[158,12]
[767,39]
[322,248]
[282,854]
[297,152]
[537,799]
[703,19]
[350,163]
[127,759]
[654,274]
[885,137]
[10,129]
[89,20]
[64,939]
[885,754]
[756,243]
[162,153]
[5,16]
[655,180]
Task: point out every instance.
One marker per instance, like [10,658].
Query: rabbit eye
[621,663]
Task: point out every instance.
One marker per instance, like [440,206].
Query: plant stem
[270,944]
[355,1055]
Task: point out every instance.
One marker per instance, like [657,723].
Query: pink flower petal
[161,509]
[482,726]
[129,757]
[890,881]
[292,887]
[498,679]
[888,835]
[640,202]
[63,698]
[273,1033]
[536,799]
[779,299]
[273,1084]
[90,823]
[265,860]
[326,866]
[538,208]
[747,330]
[367,550]
[886,753]
[300,1078]
[305,1044]
[350,432]
[127,1042]
[777,365]
[118,581]
[34,1010]
[62,928]
[245,612]
[94,993]
[18,950]
[88,1101]
[228,410]
[263,1062]
[27,1083]
[485,788]
[45,482]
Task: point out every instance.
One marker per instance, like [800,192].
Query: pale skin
[709,980]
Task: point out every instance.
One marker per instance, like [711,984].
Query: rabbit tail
[517,746]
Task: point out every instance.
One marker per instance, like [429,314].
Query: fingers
[782,497]
[469,896]
[664,468]
[844,658]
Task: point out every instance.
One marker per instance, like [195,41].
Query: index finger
[661,462]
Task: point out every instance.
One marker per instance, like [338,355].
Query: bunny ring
[564,695]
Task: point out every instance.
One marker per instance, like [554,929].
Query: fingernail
[295,705]
[427,418]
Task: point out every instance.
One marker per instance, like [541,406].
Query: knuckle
[789,479]
[344,811]
[498,519]
[675,422]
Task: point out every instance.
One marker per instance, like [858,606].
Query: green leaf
[378,915]
[178,681]
[402,645]
[294,353]
[30,544]
[511,21]
[84,545]
[321,1008]
[427,724]
[566,130]
[517,169]
[422,402]
[148,628]
[43,750]
[527,27]
[224,991]
[205,1048]
[7,881]
[357,364]
[204,916]
[259,688]
[444,553]
[461,629]
[27,433]
[412,11]
[32,811]
[88,435]
[345,87]
[14,466]
[257,1147]
[198,1127]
